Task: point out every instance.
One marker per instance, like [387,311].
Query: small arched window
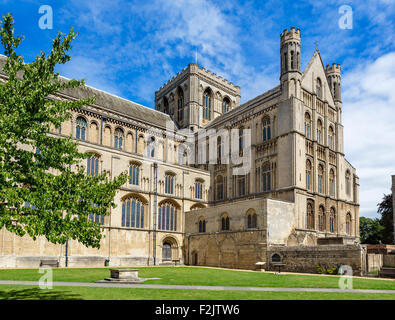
[198,189]
[320,179]
[318,88]
[307,125]
[331,138]
[92,166]
[151,147]
[266,177]
[80,129]
[180,104]
[332,220]
[266,130]
[308,175]
[202,225]
[310,217]
[251,220]
[225,105]
[118,138]
[132,213]
[292,60]
[319,131]
[348,183]
[167,217]
[219,181]
[241,139]
[169,183]
[225,226]
[207,104]
[134,174]
[332,183]
[321,219]
[348,223]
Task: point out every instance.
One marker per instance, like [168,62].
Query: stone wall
[236,250]
[389,260]
[374,262]
[305,258]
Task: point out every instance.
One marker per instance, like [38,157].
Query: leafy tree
[40,193]
[386,211]
[370,230]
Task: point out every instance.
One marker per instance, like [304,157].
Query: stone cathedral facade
[297,204]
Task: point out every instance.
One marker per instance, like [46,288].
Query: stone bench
[49,263]
[260,265]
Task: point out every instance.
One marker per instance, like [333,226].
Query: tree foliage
[370,230]
[386,211]
[40,193]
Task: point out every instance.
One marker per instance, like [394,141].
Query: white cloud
[369,127]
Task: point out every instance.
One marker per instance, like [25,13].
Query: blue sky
[130,48]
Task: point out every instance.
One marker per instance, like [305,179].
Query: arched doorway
[166,251]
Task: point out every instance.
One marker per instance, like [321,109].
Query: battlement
[290,35]
[334,68]
[194,68]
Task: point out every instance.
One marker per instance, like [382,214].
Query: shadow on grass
[38,294]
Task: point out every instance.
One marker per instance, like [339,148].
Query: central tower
[196,96]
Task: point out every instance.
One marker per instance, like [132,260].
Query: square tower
[196,96]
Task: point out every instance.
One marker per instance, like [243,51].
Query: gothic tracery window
[266,129]
[207,104]
[167,217]
[132,213]
[321,219]
[80,129]
[118,138]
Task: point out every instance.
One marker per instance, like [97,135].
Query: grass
[8,292]
[201,276]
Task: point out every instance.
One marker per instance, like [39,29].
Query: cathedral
[213,182]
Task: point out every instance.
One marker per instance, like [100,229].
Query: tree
[40,193]
[386,211]
[370,230]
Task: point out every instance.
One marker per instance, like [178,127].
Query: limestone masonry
[297,205]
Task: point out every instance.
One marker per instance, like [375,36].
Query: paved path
[183,287]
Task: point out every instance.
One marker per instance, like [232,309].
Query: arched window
[166,105]
[180,103]
[285,62]
[202,225]
[318,88]
[321,219]
[251,220]
[151,147]
[80,128]
[207,104]
[308,175]
[219,181]
[92,166]
[241,139]
[332,220]
[219,149]
[225,105]
[319,131]
[266,130]
[198,189]
[332,183]
[118,138]
[266,177]
[348,223]
[132,213]
[310,216]
[331,138]
[167,217]
[307,125]
[348,182]
[225,223]
[292,60]
[241,181]
[320,179]
[134,173]
[169,182]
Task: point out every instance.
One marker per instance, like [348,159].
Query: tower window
[207,104]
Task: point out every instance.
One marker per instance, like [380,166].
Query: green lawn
[201,276]
[8,292]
